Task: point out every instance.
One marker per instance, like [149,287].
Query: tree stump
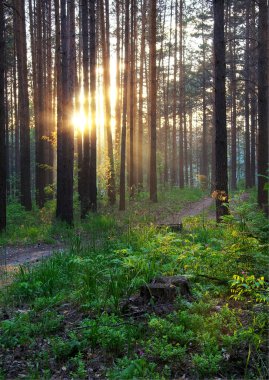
[165,288]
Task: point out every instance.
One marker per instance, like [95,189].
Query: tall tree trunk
[24,117]
[118,81]
[253,93]
[233,109]
[181,99]
[174,131]
[64,209]
[263,106]
[111,191]
[3,184]
[40,132]
[204,158]
[132,103]
[140,100]
[93,169]
[247,91]
[221,181]
[191,145]
[85,175]
[153,98]
[79,85]
[50,109]
[166,110]
[124,110]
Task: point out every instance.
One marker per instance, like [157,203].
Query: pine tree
[221,182]
[3,183]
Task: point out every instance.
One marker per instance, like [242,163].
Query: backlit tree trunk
[153,98]
[3,184]
[263,106]
[23,96]
[221,176]
[124,110]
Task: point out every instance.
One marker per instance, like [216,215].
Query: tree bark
[3,183]
[247,96]
[153,98]
[65,186]
[124,110]
[85,175]
[263,106]
[93,158]
[221,177]
[24,117]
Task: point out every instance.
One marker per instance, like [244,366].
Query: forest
[134,189]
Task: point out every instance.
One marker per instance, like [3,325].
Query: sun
[81,121]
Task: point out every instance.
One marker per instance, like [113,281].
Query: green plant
[79,371]
[207,364]
[161,348]
[137,368]
[251,288]
[109,332]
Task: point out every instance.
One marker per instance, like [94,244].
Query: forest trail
[13,256]
[19,255]
[192,209]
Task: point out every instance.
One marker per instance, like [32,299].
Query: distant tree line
[189,105]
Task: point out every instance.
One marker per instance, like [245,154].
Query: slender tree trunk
[64,209]
[85,175]
[20,35]
[141,103]
[253,93]
[181,99]
[111,191]
[233,111]
[166,125]
[247,95]
[263,106]
[221,182]
[40,132]
[204,160]
[132,103]
[93,157]
[174,132]
[124,110]
[191,145]
[79,130]
[58,74]
[3,184]
[118,80]
[153,99]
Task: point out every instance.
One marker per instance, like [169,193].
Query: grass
[40,226]
[63,318]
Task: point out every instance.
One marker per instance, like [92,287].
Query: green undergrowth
[63,318]
[40,226]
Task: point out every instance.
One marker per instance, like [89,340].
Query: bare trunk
[221,181]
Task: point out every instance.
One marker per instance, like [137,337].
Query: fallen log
[174,227]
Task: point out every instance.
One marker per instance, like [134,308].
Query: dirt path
[192,209]
[14,256]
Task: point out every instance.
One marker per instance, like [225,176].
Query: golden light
[79,121]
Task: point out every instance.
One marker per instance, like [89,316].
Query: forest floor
[12,256]
[85,312]
[192,209]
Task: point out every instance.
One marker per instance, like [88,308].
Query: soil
[18,255]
